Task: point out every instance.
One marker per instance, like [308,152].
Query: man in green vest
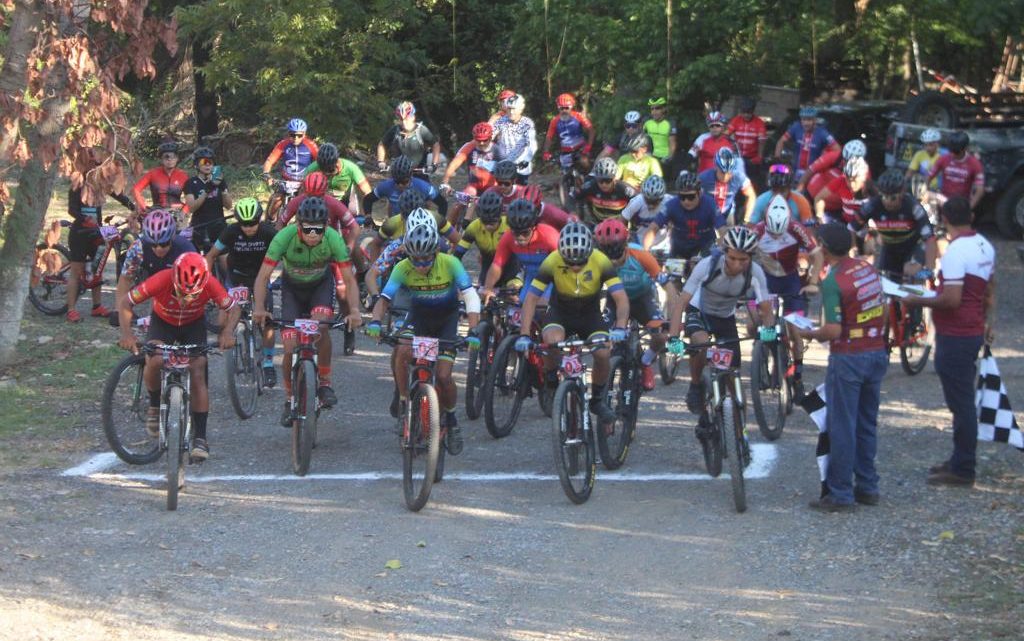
[662,132]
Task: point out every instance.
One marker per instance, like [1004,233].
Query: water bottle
[648,357]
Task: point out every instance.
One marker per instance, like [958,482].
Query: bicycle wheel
[711,444]
[917,344]
[123,411]
[174,420]
[574,448]
[614,447]
[668,364]
[732,438]
[505,389]
[421,446]
[477,373]
[769,388]
[545,395]
[48,288]
[304,425]
[242,373]
[442,450]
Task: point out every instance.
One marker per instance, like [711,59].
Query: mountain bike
[772,381]
[512,377]
[243,368]
[123,409]
[492,329]
[676,270]
[625,389]
[908,329]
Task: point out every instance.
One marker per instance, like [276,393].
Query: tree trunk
[21,39]
[207,118]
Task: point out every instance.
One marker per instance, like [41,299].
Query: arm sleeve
[137,189]
[275,155]
[503,251]
[215,290]
[552,129]
[826,160]
[648,262]
[803,207]
[124,200]
[395,281]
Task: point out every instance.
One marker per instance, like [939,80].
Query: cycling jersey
[851,203]
[705,147]
[245,254]
[969,261]
[821,180]
[394,227]
[799,209]
[165,188]
[749,135]
[715,293]
[638,272]
[140,259]
[639,214]
[90,215]
[542,243]
[851,296]
[959,175]
[341,182]
[305,265]
[606,205]
[294,158]
[435,291]
[173,309]
[549,214]
[390,191]
[572,131]
[921,163]
[659,132]
[724,192]
[479,164]
[576,291]
[904,227]
[486,241]
[212,208]
[635,172]
[414,144]
[517,141]
[809,144]
[338,215]
[693,230]
[778,254]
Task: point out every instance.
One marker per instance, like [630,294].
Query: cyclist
[924,159]
[435,282]
[961,172]
[206,195]
[505,94]
[692,216]
[485,232]
[411,139]
[480,157]
[339,218]
[810,139]
[315,259]
[750,134]
[709,298]
[780,183]
[342,174]
[706,146]
[725,181]
[516,137]
[635,166]
[829,167]
[527,240]
[604,194]
[509,191]
[577,274]
[156,249]
[850,190]
[407,202]
[394,252]
[638,271]
[246,242]
[179,298]
[402,180]
[662,132]
[781,239]
[574,130]
[631,125]
[296,152]
[166,182]
[645,206]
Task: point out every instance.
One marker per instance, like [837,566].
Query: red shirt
[531,255]
[850,203]
[165,188]
[959,175]
[705,147]
[479,164]
[748,134]
[785,248]
[172,309]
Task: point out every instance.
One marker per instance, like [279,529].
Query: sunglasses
[605,181]
[250,223]
[632,125]
[690,196]
[205,161]
[297,135]
[563,108]
[652,201]
[162,245]
[505,183]
[426,262]
[715,125]
[318,230]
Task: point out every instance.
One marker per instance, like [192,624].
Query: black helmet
[327,156]
[313,211]
[891,182]
[202,152]
[957,141]
[687,181]
[488,207]
[409,200]
[634,142]
[522,215]
[401,168]
[780,177]
[746,104]
[168,147]
[505,171]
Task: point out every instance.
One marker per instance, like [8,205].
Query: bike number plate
[720,357]
[307,326]
[463,198]
[175,360]
[515,316]
[425,348]
[565,160]
[675,266]
[239,294]
[572,365]
[143,322]
[109,233]
[186,233]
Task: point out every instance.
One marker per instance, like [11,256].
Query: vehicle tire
[123,409]
[668,365]
[768,388]
[476,376]
[614,447]
[711,446]
[48,290]
[505,389]
[242,373]
[932,109]
[914,350]
[304,425]
[421,447]
[734,443]
[175,420]
[573,447]
[1010,211]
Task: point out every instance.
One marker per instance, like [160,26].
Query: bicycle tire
[242,367]
[175,425]
[914,352]
[442,451]
[49,292]
[545,395]
[614,447]
[505,386]
[573,447]
[304,423]
[732,430]
[768,389]
[421,445]
[123,411]
[476,375]
[711,446]
[668,365]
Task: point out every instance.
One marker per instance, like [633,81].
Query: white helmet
[930,135]
[420,216]
[776,219]
[854,149]
[653,187]
[632,117]
[740,238]
[515,102]
[421,241]
[575,243]
[855,167]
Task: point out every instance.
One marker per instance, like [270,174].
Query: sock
[324,372]
[199,424]
[154,398]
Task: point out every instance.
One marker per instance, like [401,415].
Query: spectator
[750,134]
[707,144]
[662,132]
[962,173]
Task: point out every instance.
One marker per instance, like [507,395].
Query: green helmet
[248,210]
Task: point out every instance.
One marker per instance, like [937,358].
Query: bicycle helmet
[312,211]
[405,109]
[958,141]
[248,210]
[297,126]
[780,177]
[421,241]
[855,167]
[483,131]
[202,153]
[410,200]
[930,135]
[565,101]
[687,181]
[657,102]
[891,182]
[158,227]
[191,273]
[522,215]
[725,160]
[611,236]
[808,111]
[653,188]
[515,101]
[746,104]
[854,149]
[715,118]
[606,169]
[741,238]
[315,184]
[533,194]
[505,171]
[401,169]
[632,118]
[169,147]
[505,95]
[776,219]
[420,216]
[488,207]
[575,243]
[327,156]
[635,142]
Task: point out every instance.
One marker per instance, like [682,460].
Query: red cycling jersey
[850,203]
[748,134]
[959,175]
[338,216]
[705,147]
[173,309]
[783,250]
[165,188]
[549,214]
[479,165]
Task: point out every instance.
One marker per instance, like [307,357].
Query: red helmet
[190,274]
[566,101]
[611,233]
[533,194]
[483,131]
[315,184]
[505,94]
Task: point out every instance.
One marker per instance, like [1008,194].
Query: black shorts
[298,301]
[206,233]
[720,329]
[192,334]
[644,310]
[892,258]
[423,321]
[508,273]
[584,323]
[83,243]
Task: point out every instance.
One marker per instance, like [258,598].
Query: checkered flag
[996,421]
[814,405]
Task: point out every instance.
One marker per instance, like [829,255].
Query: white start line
[762,460]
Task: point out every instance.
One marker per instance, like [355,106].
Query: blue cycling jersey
[693,231]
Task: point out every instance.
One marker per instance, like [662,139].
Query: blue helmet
[725,160]
[297,126]
[808,111]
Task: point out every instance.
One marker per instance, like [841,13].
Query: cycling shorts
[298,301]
[587,323]
[718,327]
[161,331]
[645,310]
[83,243]
[892,259]
[788,288]
[423,321]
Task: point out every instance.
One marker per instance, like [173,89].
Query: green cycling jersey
[304,264]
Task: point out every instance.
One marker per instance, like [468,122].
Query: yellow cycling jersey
[576,289]
[394,227]
[486,241]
